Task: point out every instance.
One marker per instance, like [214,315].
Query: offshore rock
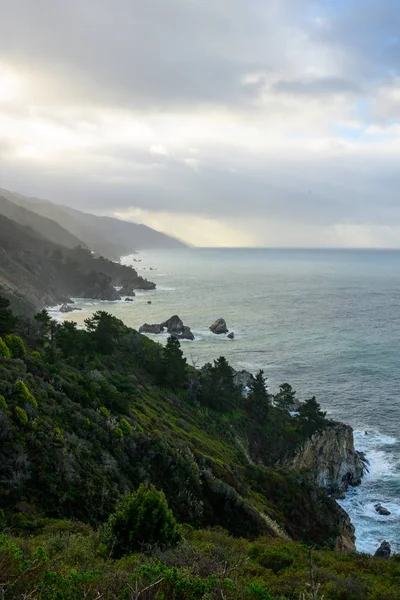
[384,550]
[231,335]
[219,326]
[173,325]
[382,510]
[146,328]
[65,308]
[331,459]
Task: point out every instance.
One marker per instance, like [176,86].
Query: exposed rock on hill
[331,459]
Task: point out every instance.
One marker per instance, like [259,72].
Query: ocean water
[327,321]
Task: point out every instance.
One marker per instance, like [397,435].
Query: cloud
[273,123]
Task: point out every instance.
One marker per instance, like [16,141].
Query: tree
[8,321]
[141,518]
[16,345]
[258,400]
[312,417]
[218,389]
[43,321]
[286,397]
[4,349]
[106,331]
[173,365]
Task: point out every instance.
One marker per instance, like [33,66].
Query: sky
[222,122]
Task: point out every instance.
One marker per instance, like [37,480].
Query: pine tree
[7,319]
[312,417]
[286,397]
[173,370]
[258,400]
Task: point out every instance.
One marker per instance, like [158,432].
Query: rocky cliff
[332,460]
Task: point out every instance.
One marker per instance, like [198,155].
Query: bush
[104,412]
[142,518]
[24,394]
[15,345]
[125,427]
[21,415]
[4,349]
[3,403]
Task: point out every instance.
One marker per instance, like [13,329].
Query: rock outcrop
[382,510]
[127,290]
[384,550]
[146,328]
[219,326]
[231,335]
[174,326]
[331,459]
[242,379]
[128,299]
[66,308]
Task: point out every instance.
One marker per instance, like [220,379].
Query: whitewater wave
[381,484]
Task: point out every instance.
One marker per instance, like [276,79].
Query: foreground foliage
[64,560]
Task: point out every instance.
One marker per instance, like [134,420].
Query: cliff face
[332,460]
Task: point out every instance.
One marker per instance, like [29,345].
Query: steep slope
[107,236]
[42,225]
[35,272]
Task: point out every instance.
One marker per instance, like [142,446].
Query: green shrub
[142,518]
[21,415]
[35,354]
[3,403]
[105,412]
[4,349]
[24,394]
[125,427]
[15,345]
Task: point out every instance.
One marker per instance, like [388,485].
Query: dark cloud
[284,70]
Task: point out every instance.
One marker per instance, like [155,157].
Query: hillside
[88,416]
[45,227]
[106,236]
[35,272]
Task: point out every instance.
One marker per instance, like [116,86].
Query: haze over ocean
[326,321]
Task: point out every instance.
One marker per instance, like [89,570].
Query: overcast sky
[224,122]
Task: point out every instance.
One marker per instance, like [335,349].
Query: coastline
[172,291]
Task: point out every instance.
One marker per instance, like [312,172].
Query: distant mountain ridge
[107,236]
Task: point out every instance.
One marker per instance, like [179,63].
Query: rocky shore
[331,459]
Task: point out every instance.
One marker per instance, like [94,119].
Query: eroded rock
[219,326]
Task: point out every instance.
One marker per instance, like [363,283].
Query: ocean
[326,321]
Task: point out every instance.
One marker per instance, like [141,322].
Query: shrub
[21,415]
[4,349]
[3,403]
[105,412]
[24,394]
[125,427]
[141,518]
[15,345]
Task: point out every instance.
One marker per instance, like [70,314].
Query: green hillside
[89,416]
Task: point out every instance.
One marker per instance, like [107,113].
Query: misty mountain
[35,272]
[107,236]
[44,226]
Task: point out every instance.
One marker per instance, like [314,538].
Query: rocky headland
[331,459]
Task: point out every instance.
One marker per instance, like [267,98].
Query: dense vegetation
[109,443]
